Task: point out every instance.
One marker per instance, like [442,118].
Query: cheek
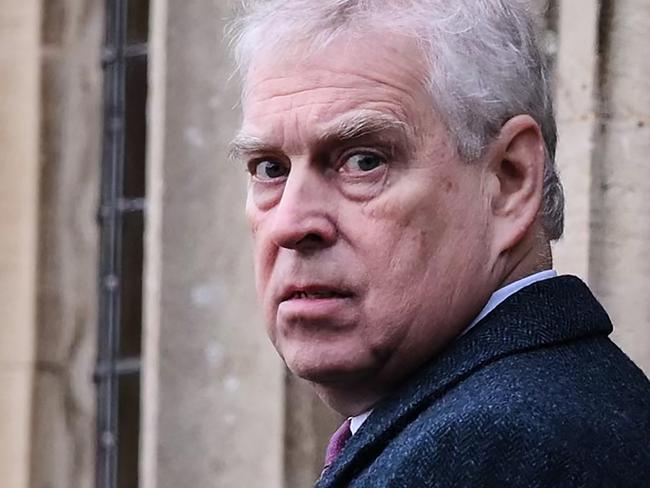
[402,240]
[414,245]
[261,250]
[252,212]
[406,229]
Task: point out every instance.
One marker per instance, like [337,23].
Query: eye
[362,163]
[268,170]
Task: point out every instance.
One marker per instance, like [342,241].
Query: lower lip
[313,308]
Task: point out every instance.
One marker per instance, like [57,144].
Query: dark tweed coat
[535,395]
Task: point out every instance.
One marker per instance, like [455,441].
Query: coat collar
[545,313]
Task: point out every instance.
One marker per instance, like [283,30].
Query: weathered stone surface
[308,426]
[15,399]
[604,124]
[576,90]
[620,260]
[63,447]
[19,168]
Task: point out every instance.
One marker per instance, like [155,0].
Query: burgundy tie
[337,442]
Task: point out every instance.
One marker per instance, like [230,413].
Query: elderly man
[402,198]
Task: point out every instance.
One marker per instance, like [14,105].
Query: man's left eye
[362,162]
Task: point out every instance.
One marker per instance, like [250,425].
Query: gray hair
[486,64]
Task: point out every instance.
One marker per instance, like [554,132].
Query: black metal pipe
[111,243]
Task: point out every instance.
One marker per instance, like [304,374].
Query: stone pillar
[63,437]
[213,392]
[576,92]
[19,169]
[309,425]
[604,124]
[620,260]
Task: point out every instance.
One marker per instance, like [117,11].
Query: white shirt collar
[502,293]
[497,298]
[357,422]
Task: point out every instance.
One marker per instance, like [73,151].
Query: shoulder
[577,394]
[576,413]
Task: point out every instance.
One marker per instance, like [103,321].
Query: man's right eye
[268,170]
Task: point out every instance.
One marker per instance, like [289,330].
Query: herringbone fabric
[535,395]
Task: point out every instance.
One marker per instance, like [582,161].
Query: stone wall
[213,403]
[620,243]
[19,176]
[63,438]
[604,122]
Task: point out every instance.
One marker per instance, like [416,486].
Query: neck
[529,256]
[349,401]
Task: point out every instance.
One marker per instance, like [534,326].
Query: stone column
[213,391]
[309,425]
[604,123]
[576,91]
[63,435]
[19,176]
[620,259]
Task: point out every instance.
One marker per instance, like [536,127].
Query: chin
[325,369]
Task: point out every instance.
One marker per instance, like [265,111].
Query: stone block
[15,418]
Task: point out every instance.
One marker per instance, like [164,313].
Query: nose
[304,217]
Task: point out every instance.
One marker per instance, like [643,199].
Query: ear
[516,171]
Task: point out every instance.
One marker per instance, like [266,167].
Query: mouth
[314,293]
[325,305]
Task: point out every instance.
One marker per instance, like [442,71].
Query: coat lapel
[547,312]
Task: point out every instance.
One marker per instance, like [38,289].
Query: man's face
[371,237]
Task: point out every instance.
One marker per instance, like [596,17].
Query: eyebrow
[361,123]
[348,126]
[246,144]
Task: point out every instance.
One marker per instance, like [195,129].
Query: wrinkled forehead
[299,91]
[369,54]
